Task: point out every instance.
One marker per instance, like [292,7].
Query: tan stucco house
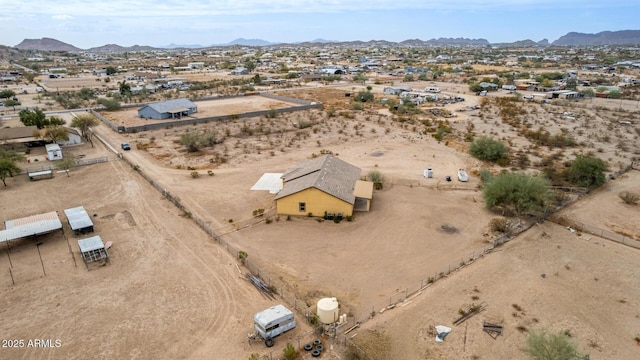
[324,184]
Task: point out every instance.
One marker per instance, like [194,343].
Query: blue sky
[88,24]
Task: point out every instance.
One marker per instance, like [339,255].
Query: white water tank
[328,310]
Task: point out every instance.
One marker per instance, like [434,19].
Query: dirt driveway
[169,292]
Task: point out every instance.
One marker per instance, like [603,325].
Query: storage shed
[93,250]
[53,152]
[79,220]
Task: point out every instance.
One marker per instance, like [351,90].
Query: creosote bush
[629,198]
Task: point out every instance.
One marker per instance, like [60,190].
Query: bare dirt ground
[548,277]
[169,292]
[365,263]
[605,209]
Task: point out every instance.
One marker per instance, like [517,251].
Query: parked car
[125,146]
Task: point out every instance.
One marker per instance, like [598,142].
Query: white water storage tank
[328,310]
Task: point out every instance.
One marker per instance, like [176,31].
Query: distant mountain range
[623,37]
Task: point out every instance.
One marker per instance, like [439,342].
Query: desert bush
[544,346]
[242,256]
[485,175]
[303,124]
[488,149]
[629,198]
[521,193]
[499,225]
[377,178]
[587,171]
[289,352]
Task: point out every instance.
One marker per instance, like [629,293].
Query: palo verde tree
[518,193]
[587,171]
[65,164]
[12,103]
[109,104]
[7,94]
[7,168]
[488,149]
[84,123]
[8,164]
[54,133]
[544,346]
[360,78]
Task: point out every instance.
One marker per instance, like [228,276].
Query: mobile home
[432,89]
[272,322]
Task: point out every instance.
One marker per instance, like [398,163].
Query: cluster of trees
[528,194]
[38,118]
[11,100]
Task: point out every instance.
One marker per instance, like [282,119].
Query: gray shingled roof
[327,173]
[169,105]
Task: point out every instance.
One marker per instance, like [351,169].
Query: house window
[302,207]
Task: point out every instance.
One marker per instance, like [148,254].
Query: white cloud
[62,17]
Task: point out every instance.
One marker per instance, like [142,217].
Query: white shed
[53,152]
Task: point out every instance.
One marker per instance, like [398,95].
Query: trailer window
[302,207]
[273,327]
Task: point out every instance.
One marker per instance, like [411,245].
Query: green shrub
[488,149]
[587,171]
[289,351]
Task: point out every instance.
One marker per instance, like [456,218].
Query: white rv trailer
[272,322]
[432,89]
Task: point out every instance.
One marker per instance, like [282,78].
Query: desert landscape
[425,254]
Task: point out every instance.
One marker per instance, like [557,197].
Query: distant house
[488,86]
[324,184]
[195,65]
[395,90]
[170,109]
[240,70]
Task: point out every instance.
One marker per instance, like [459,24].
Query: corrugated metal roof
[30,225]
[78,218]
[327,173]
[90,244]
[170,105]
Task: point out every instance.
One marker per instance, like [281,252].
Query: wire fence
[594,230]
[399,299]
[364,314]
[163,124]
[52,166]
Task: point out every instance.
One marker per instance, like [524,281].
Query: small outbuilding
[93,250]
[79,220]
[170,109]
[53,152]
